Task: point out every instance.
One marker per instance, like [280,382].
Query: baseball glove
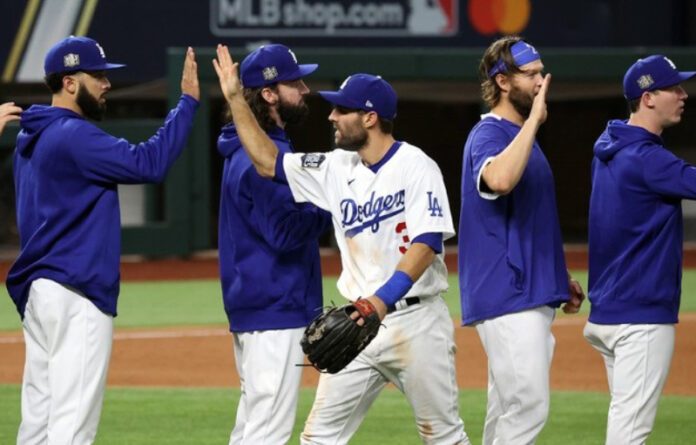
[333,340]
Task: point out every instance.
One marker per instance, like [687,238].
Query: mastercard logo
[499,16]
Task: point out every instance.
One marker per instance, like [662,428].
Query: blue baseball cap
[365,92]
[77,54]
[270,64]
[652,73]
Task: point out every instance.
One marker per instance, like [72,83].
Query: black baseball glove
[333,339]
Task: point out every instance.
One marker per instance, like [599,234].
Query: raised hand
[8,112]
[539,105]
[189,76]
[227,72]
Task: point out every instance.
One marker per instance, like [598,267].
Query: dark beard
[90,105]
[293,114]
[353,142]
[521,102]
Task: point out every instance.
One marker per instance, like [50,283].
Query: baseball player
[8,112]
[269,255]
[635,243]
[65,282]
[511,268]
[390,215]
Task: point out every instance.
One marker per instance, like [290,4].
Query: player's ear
[647,99]
[71,84]
[269,95]
[370,119]
[503,82]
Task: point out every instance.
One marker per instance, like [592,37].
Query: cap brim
[104,66]
[113,66]
[307,69]
[336,98]
[686,75]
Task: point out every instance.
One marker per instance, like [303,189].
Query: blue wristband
[396,287]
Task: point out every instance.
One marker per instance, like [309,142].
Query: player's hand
[539,111]
[379,306]
[577,296]
[8,112]
[189,76]
[227,72]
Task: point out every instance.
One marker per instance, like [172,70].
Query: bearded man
[511,267]
[65,281]
[269,254]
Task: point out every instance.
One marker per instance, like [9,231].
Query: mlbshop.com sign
[354,18]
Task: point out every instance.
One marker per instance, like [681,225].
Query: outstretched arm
[258,146]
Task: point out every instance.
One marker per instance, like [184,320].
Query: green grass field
[206,416]
[149,416]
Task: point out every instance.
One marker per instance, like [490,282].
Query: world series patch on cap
[652,73]
[270,64]
[77,54]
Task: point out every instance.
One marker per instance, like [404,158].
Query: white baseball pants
[68,346]
[637,358]
[414,351]
[519,347]
[267,363]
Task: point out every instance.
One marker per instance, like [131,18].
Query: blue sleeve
[432,240]
[279,170]
[103,157]
[284,224]
[488,142]
[668,175]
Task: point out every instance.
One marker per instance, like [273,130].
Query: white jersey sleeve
[308,177]
[427,204]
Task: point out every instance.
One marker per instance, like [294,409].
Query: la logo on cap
[101,50]
[674,67]
[71,60]
[293,55]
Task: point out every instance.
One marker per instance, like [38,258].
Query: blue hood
[34,121]
[619,135]
[229,143]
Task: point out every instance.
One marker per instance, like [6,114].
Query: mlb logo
[71,60]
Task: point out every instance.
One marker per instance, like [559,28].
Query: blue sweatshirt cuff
[279,170]
[191,100]
[433,240]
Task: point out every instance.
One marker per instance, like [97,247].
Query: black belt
[403,304]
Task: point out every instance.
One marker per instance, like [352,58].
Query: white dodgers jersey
[376,215]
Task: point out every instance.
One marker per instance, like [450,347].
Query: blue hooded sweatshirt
[66,170]
[635,227]
[269,253]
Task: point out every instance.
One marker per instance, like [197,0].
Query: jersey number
[401,227]
[434,205]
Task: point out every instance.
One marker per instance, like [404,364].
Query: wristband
[396,287]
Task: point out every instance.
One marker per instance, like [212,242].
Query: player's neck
[273,113]
[377,146]
[645,122]
[60,101]
[505,110]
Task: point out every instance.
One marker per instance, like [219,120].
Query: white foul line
[126,335]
